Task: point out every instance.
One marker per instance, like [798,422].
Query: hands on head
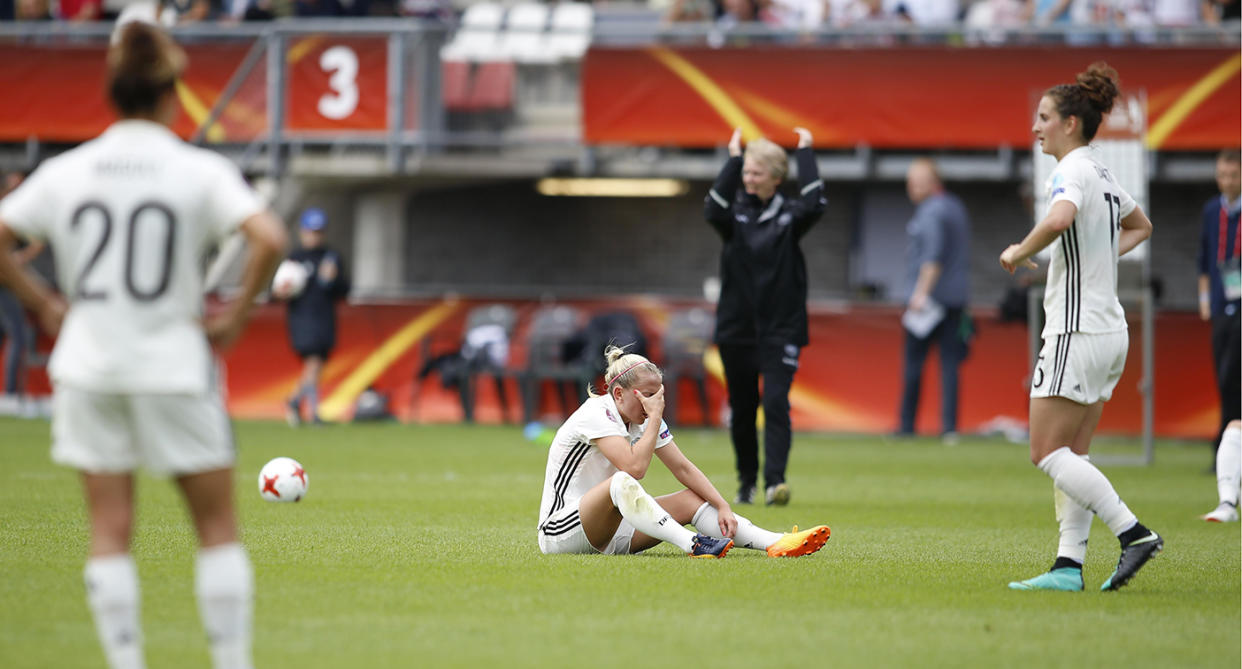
[735,142]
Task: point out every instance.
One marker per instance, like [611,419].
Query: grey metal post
[430,100]
[396,101]
[276,101]
[1148,385]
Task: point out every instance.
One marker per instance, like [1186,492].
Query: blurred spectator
[1177,13]
[79,10]
[33,10]
[249,10]
[435,10]
[331,7]
[690,10]
[804,15]
[924,12]
[1215,11]
[8,10]
[996,14]
[1049,12]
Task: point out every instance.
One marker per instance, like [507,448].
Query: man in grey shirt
[938,277]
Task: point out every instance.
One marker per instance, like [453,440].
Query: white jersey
[575,464]
[1081,294]
[131,216]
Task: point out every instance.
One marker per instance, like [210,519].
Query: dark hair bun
[1099,85]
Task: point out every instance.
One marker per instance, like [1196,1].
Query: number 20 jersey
[1081,294]
[130,217]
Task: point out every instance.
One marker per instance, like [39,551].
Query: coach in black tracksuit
[761,322]
[311,316]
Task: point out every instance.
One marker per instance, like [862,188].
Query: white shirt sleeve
[231,201]
[665,437]
[1128,205]
[28,210]
[602,421]
[1067,184]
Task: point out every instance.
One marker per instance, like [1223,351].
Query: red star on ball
[300,473]
[269,484]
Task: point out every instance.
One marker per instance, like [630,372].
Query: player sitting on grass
[1228,474]
[593,502]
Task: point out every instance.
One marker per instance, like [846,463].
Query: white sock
[748,535]
[1075,522]
[645,514]
[1229,465]
[1089,487]
[112,592]
[224,583]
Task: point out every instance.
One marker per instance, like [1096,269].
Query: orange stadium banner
[903,97]
[334,84]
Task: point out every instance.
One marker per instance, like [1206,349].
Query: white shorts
[110,433]
[562,533]
[1080,367]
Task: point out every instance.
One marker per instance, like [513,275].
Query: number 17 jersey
[1081,294]
[130,217]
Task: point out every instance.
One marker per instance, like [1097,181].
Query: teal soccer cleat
[1067,579]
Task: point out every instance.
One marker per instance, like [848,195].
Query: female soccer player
[593,502]
[1090,222]
[130,215]
[761,317]
[1228,475]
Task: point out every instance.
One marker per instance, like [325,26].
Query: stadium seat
[493,87]
[489,329]
[478,36]
[686,339]
[570,33]
[524,39]
[455,78]
[550,329]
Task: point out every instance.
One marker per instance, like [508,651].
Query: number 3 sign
[338,84]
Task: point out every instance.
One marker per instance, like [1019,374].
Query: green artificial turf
[416,548]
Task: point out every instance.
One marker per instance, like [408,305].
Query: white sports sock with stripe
[1089,487]
[645,514]
[1075,522]
[1229,465]
[748,535]
[112,592]
[224,583]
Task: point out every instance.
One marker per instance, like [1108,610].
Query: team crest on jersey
[608,412]
[784,219]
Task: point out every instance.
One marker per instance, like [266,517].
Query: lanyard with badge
[1230,267]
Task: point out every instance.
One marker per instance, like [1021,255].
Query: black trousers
[947,335]
[743,365]
[1227,354]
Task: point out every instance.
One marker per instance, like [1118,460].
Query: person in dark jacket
[312,312]
[761,323]
[1220,284]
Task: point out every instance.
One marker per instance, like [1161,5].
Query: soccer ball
[283,480]
[290,280]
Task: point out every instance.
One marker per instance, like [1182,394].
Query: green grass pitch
[416,548]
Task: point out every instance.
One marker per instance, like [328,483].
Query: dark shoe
[1133,557]
[710,547]
[293,413]
[745,495]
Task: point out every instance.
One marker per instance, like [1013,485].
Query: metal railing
[413,51]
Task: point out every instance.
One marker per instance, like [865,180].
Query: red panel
[849,378]
[906,97]
[338,83]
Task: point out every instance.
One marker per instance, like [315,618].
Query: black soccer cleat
[1133,557]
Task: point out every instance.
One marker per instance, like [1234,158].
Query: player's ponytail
[624,369]
[1089,98]
[143,66]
